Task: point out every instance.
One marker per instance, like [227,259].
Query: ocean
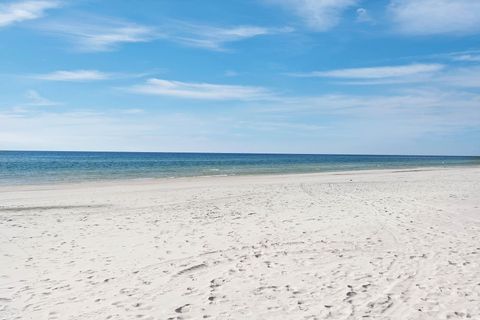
[38,167]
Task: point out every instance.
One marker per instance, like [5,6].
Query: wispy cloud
[89,130]
[374,123]
[439,75]
[214,37]
[467,57]
[35,99]
[382,72]
[430,17]
[25,10]
[208,91]
[461,77]
[319,15]
[74,75]
[99,34]
[448,107]
[104,34]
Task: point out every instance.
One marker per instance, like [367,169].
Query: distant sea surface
[38,167]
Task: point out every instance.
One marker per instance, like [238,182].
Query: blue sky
[295,76]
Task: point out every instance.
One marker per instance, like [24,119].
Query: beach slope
[386,244]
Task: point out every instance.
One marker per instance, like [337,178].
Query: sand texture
[388,244]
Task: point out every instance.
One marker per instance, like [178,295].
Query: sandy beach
[386,244]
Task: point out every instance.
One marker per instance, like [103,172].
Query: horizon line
[248,153]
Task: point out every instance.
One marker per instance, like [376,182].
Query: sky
[267,76]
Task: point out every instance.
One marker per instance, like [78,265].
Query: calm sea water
[27,167]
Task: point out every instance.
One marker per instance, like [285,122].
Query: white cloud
[24,10]
[319,15]
[192,90]
[467,57]
[35,99]
[377,72]
[430,17]
[214,38]
[100,34]
[74,75]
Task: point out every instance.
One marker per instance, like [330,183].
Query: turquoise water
[32,167]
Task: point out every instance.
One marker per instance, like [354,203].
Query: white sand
[360,245]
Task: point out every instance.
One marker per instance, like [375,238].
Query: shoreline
[152,180]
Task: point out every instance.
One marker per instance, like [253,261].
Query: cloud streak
[467,57]
[215,38]
[93,34]
[438,75]
[24,10]
[383,72]
[73,75]
[203,91]
[99,34]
